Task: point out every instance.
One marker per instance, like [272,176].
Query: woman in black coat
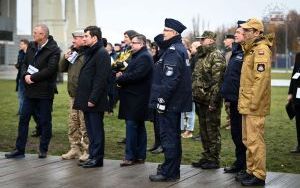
[135,84]
[294,96]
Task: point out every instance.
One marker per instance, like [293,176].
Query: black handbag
[290,109]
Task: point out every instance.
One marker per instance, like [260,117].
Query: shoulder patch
[261,67]
[169,70]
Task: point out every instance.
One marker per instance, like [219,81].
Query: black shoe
[123,141]
[242,175]
[158,150]
[161,178]
[153,148]
[16,154]
[199,163]
[232,169]
[93,163]
[42,155]
[253,181]
[125,163]
[81,163]
[296,150]
[35,133]
[158,169]
[197,138]
[210,165]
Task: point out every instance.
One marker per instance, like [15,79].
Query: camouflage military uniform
[206,82]
[227,55]
[77,131]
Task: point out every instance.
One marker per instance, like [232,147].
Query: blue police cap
[174,24]
[240,22]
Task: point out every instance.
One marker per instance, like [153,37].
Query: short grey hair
[44,28]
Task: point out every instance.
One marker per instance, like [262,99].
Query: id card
[296,75]
[298,93]
[31,69]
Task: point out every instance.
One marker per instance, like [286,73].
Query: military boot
[73,153]
[84,157]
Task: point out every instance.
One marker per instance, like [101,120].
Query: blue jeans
[21,95]
[95,130]
[136,140]
[44,120]
[188,119]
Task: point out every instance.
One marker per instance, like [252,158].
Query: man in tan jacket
[254,100]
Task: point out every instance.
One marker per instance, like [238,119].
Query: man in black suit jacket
[91,95]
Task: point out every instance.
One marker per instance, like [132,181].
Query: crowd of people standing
[167,82]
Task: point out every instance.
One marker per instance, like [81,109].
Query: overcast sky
[147,16]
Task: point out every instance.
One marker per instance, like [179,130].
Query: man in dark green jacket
[72,63]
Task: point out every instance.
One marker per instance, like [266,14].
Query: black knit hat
[174,24]
[131,33]
[159,39]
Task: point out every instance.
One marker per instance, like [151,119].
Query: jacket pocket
[245,98]
[200,93]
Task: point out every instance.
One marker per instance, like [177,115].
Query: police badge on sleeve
[261,67]
[169,70]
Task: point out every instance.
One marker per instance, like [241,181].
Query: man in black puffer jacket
[40,70]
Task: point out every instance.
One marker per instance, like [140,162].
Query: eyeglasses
[168,30]
[135,42]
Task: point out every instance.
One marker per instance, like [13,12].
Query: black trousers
[95,130]
[169,124]
[157,141]
[44,118]
[236,135]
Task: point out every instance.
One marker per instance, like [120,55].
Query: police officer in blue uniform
[171,94]
[230,92]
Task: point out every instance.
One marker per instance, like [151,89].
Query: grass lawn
[285,76]
[280,132]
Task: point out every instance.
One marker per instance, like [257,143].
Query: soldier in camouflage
[206,83]
[72,63]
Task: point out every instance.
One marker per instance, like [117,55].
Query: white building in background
[7,30]
[61,16]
